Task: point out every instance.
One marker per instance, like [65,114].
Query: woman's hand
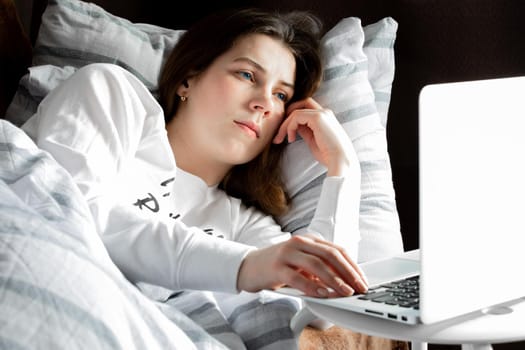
[315,266]
[321,131]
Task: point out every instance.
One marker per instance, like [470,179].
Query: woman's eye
[282,96]
[246,75]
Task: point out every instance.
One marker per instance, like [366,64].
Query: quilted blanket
[59,288]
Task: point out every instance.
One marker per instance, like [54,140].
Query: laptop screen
[472,195]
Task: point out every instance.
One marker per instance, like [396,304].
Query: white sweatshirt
[160,224]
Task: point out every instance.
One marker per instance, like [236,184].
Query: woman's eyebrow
[261,68]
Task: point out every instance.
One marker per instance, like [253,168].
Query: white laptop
[471,208]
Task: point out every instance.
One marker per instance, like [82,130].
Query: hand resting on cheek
[321,131]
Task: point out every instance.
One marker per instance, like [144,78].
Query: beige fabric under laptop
[471,205]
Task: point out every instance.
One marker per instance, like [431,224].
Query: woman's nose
[262,102]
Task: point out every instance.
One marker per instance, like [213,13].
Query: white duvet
[60,290]
[58,287]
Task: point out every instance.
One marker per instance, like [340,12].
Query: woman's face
[236,105]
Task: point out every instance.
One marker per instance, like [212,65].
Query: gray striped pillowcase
[358,74]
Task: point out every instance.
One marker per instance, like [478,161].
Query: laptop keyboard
[404,293]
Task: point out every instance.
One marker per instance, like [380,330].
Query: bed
[59,288]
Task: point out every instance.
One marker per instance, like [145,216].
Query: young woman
[183,195]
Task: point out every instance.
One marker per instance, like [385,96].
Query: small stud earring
[183,98]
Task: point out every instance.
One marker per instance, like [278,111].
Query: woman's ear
[186,84]
[182,90]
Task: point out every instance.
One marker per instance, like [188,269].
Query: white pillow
[347,91]
[74,33]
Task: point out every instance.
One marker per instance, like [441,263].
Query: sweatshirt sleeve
[327,206]
[94,124]
[336,217]
[332,203]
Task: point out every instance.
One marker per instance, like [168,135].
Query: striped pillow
[76,33]
[353,86]
[359,63]
[379,50]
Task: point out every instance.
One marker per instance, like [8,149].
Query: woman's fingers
[331,265]
[310,265]
[320,129]
[326,280]
[344,253]
[347,270]
[288,128]
[314,287]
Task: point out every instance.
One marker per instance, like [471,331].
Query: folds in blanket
[35,184]
[58,287]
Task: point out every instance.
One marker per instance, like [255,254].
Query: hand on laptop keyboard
[310,264]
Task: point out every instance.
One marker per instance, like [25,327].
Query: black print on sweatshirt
[210,232]
[145,203]
[165,183]
[151,203]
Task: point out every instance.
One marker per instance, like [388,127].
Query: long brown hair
[258,182]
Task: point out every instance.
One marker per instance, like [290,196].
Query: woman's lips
[250,127]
